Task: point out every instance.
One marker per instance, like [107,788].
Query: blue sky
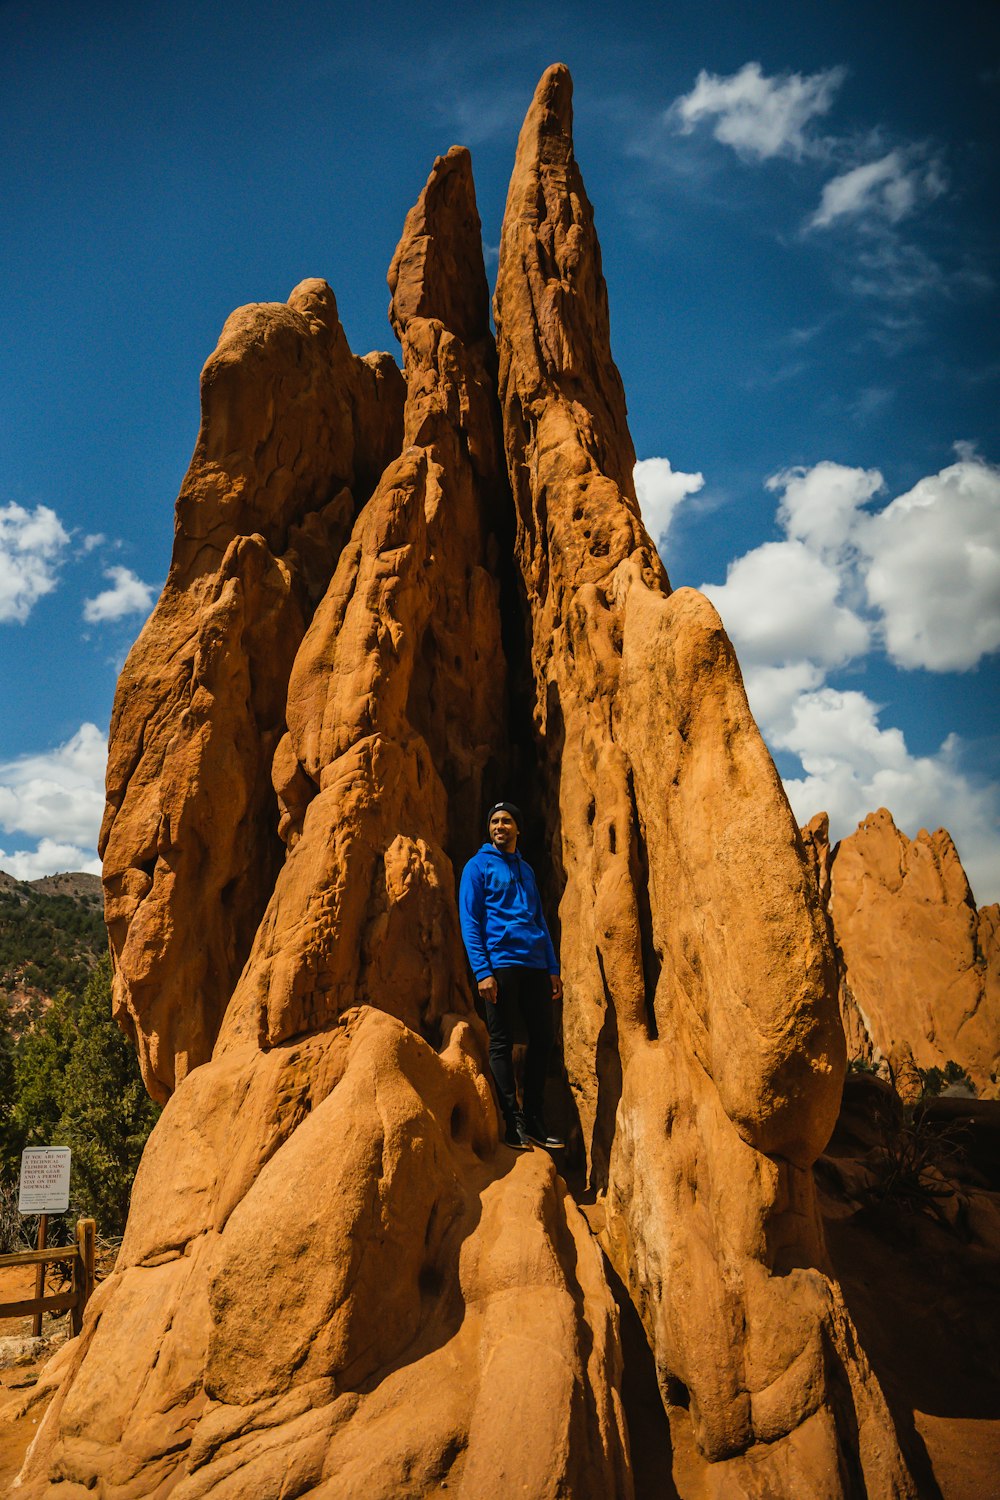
[797,211]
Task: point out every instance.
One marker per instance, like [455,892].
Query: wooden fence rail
[80,1256]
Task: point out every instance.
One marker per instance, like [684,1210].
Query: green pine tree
[76,1083]
[106,1113]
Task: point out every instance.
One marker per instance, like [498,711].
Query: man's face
[503,832]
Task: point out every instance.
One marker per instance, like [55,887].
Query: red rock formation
[294,431]
[334,1282]
[920,966]
[701,1034]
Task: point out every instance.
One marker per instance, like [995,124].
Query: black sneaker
[535,1131]
[517,1137]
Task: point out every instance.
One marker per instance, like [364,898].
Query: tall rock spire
[334,1281]
[702,1040]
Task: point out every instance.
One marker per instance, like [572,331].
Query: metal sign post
[43,1190]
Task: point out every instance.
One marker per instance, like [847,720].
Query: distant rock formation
[919,965]
[334,1281]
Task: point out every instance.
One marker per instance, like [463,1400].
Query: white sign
[44,1180]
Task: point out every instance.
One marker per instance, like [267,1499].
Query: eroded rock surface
[701,1032]
[919,964]
[334,1281]
[294,431]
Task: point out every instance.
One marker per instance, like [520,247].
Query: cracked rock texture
[919,964]
[392,600]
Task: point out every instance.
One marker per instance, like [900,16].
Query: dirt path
[19,1370]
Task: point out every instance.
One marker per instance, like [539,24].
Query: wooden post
[43,1229]
[86,1239]
[83,1271]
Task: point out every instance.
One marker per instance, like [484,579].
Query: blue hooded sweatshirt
[501,915]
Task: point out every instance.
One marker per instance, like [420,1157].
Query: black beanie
[507,807]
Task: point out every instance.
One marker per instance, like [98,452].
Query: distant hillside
[51,936]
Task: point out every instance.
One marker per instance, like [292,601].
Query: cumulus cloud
[56,797]
[819,505]
[780,604]
[852,765]
[660,489]
[921,579]
[888,189]
[932,568]
[50,858]
[128,595]
[32,543]
[923,572]
[759,116]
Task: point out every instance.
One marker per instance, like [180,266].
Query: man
[516,968]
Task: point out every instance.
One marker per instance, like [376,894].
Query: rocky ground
[923,1290]
[912,1217]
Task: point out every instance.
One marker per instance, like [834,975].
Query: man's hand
[488,989]
[557,991]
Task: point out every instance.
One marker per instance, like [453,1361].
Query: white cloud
[819,505]
[774,691]
[852,766]
[50,858]
[32,543]
[933,568]
[56,796]
[660,489]
[759,116]
[921,577]
[888,189]
[128,595]
[779,604]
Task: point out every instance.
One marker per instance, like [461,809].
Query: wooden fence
[80,1256]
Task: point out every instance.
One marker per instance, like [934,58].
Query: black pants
[530,991]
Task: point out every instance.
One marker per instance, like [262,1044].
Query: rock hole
[578,513]
[457,1123]
[677,1393]
[599,549]
[430,1281]
[612,838]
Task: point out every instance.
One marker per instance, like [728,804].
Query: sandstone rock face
[701,1035]
[294,430]
[920,966]
[334,1282]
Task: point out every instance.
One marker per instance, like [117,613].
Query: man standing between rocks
[516,968]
